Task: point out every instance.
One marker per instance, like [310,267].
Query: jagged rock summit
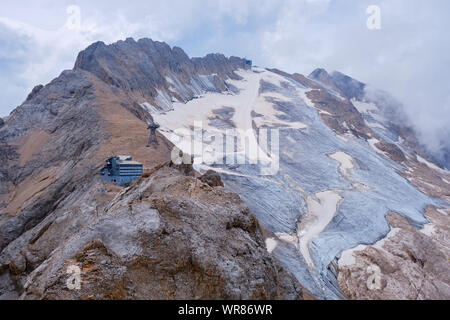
[148,69]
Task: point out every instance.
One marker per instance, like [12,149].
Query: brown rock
[18,265]
[212,178]
[392,150]
[412,264]
[165,237]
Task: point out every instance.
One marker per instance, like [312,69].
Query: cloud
[408,57]
[34,55]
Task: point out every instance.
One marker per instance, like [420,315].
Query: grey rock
[351,88]
[150,64]
[35,91]
[74,134]
[167,237]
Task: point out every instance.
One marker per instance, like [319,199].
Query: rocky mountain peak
[351,88]
[150,55]
[342,83]
[319,74]
[33,92]
[322,76]
[151,71]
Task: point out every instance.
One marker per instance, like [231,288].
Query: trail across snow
[320,214]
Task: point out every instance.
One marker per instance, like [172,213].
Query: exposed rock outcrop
[408,264]
[7,155]
[392,150]
[64,111]
[212,178]
[169,236]
[35,91]
[349,87]
[341,115]
[322,76]
[154,72]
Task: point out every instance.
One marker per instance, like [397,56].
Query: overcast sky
[409,56]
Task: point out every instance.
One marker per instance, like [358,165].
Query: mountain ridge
[57,140]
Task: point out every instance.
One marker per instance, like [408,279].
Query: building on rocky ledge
[121,170]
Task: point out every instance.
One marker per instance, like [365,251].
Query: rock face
[7,154]
[170,236]
[155,73]
[394,152]
[411,264]
[351,88]
[62,126]
[339,112]
[35,91]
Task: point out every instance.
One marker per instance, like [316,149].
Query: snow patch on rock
[271,244]
[345,160]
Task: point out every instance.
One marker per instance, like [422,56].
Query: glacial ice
[365,181]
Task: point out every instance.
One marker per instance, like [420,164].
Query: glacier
[330,194]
